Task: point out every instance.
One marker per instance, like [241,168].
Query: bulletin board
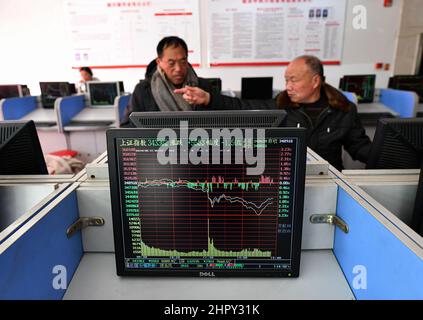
[273,32]
[124,34]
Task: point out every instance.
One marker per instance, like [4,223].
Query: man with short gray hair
[330,118]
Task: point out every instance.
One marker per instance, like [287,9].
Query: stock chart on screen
[208,217]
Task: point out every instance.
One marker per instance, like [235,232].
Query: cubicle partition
[352,248]
[85,127]
[29,108]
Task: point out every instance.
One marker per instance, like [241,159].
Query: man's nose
[177,67]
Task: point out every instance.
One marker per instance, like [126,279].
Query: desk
[320,278]
[95,114]
[419,110]
[374,111]
[45,118]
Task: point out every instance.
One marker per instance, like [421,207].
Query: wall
[34,47]
[409,37]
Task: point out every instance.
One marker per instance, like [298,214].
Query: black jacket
[142,98]
[337,125]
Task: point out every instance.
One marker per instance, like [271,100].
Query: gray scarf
[162,90]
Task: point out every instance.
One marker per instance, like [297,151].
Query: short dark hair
[86,69]
[171,42]
[314,64]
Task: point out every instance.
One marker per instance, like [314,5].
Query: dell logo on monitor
[207,274]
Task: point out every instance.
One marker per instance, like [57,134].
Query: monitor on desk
[206,119]
[257,88]
[407,83]
[20,149]
[12,91]
[362,85]
[103,94]
[398,144]
[50,91]
[203,218]
[215,85]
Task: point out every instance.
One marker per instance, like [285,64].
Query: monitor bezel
[18,86]
[88,92]
[345,80]
[298,207]
[244,81]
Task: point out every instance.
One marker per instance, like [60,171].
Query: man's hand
[194,95]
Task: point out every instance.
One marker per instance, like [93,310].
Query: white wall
[34,47]
[409,38]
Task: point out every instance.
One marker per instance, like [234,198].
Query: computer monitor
[408,83]
[215,85]
[398,144]
[210,119]
[50,91]
[103,94]
[20,149]
[11,91]
[362,85]
[206,219]
[257,88]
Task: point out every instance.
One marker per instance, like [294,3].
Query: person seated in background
[330,118]
[86,75]
[171,84]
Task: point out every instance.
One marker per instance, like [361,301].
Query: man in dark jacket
[331,119]
[171,84]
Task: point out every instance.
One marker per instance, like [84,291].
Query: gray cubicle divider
[35,254]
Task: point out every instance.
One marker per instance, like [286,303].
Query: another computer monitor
[215,85]
[257,88]
[408,83]
[362,85]
[398,144]
[206,219]
[103,94]
[11,91]
[20,149]
[207,119]
[50,91]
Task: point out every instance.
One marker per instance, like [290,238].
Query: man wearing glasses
[171,84]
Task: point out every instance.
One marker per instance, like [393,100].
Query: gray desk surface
[96,114]
[420,108]
[320,278]
[375,107]
[42,115]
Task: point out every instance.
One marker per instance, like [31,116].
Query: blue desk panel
[393,270]
[17,108]
[27,265]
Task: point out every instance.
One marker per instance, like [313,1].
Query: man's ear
[316,81]
[158,61]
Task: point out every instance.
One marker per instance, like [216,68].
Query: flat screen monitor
[50,91]
[207,119]
[407,83]
[20,149]
[103,94]
[362,85]
[215,85]
[186,217]
[398,144]
[257,88]
[11,91]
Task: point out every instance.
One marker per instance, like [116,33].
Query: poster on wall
[273,32]
[124,34]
